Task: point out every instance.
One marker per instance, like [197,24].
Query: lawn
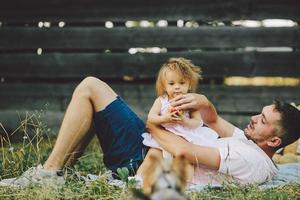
[36,146]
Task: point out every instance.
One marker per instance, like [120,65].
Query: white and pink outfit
[200,135]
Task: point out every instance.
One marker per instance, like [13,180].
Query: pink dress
[200,135]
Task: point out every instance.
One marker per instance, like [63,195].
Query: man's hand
[188,101]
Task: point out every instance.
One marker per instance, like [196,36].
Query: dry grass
[16,158]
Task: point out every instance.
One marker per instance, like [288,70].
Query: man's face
[262,126]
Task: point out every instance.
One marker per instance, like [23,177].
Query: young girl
[177,76]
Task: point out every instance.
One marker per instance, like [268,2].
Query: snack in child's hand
[173,109]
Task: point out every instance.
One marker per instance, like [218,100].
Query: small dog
[162,180]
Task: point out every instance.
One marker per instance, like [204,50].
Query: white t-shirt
[241,160]
[200,135]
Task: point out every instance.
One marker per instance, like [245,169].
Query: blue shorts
[120,130]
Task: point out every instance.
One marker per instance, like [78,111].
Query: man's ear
[274,141]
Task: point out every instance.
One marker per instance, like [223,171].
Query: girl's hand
[172,116]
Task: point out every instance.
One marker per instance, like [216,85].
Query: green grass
[36,146]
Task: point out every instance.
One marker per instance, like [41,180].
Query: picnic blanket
[288,173]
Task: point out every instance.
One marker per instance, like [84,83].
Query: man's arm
[177,146]
[208,112]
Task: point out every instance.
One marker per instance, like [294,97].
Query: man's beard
[250,138]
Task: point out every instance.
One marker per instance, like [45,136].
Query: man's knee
[88,85]
[91,81]
[98,92]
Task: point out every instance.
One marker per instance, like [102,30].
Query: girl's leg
[91,95]
[147,162]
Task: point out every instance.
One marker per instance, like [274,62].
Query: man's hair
[290,122]
[185,67]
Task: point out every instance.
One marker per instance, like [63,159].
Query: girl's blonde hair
[185,67]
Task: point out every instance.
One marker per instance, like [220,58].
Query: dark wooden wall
[85,47]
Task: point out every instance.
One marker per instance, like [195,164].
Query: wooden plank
[15,122]
[40,97]
[117,10]
[244,100]
[64,66]
[235,104]
[240,121]
[99,38]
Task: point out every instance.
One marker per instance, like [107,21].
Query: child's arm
[154,116]
[194,121]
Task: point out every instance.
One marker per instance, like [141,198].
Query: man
[119,131]
[243,156]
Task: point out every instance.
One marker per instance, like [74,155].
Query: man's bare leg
[79,150]
[91,95]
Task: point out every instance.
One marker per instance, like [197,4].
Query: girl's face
[175,84]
